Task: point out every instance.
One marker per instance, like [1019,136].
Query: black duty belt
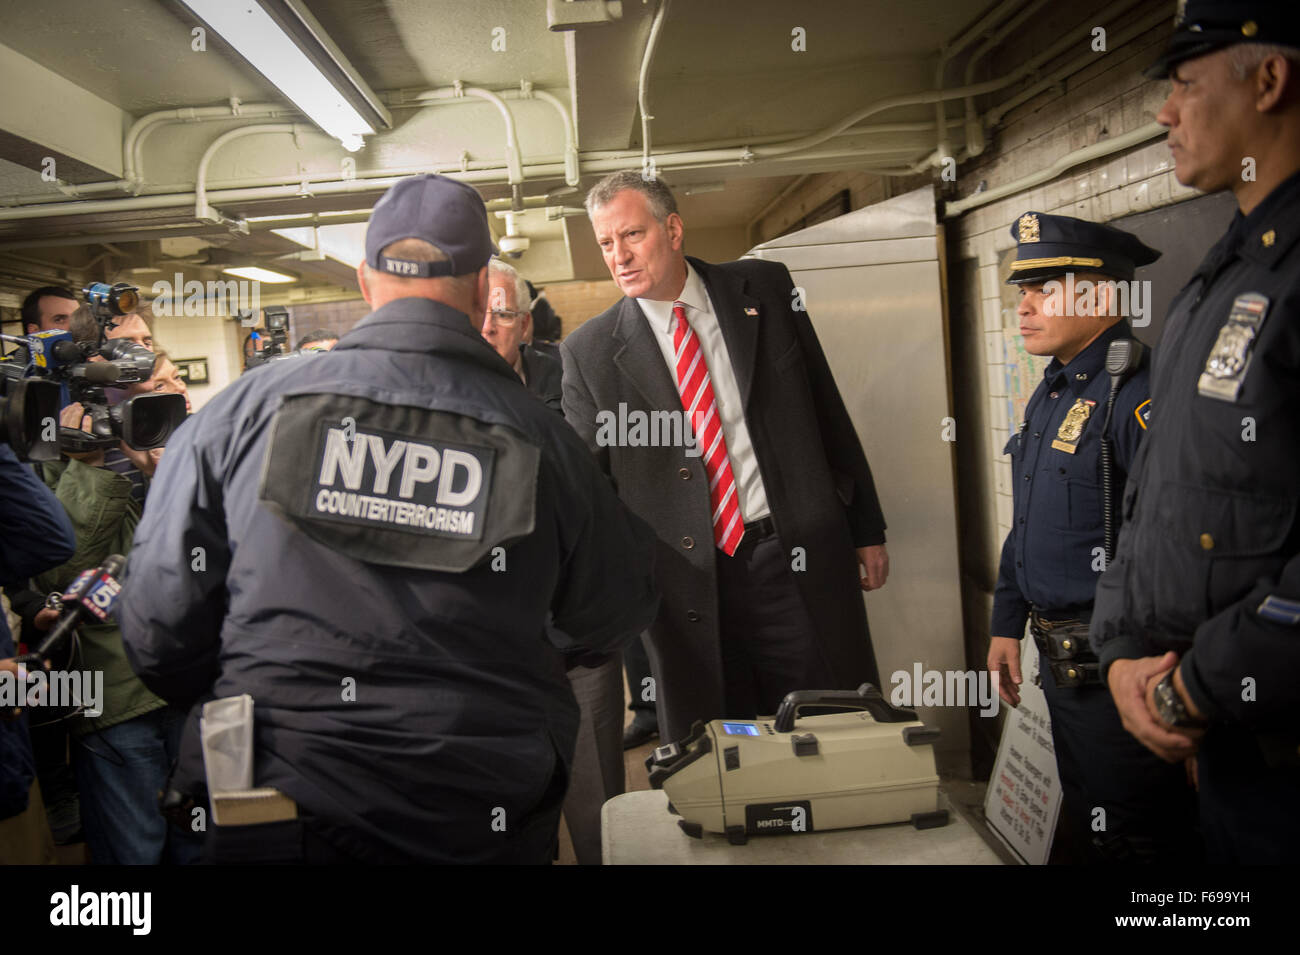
[1062,640]
[757,530]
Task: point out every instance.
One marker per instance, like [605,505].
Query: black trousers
[1148,806]
[768,641]
[1248,808]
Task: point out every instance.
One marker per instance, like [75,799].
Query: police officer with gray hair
[371,547]
[1197,621]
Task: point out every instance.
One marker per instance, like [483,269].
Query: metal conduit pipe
[202,210]
[975,141]
[994,115]
[1099,150]
[948,53]
[514,163]
[643,81]
[1140,28]
[343,186]
[572,166]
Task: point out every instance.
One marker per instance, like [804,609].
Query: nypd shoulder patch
[398,485]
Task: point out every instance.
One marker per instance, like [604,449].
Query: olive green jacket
[104,516]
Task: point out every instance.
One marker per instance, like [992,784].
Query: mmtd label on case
[791,816]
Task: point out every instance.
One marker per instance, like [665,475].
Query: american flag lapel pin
[751,311]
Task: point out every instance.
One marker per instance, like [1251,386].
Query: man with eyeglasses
[506,325]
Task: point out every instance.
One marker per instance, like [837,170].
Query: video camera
[276,346]
[33,378]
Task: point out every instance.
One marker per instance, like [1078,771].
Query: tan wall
[575,302]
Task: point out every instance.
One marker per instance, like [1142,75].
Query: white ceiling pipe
[995,114]
[204,211]
[877,129]
[343,186]
[1152,21]
[1099,150]
[643,81]
[572,165]
[948,53]
[975,142]
[514,162]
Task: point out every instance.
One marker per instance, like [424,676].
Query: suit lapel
[641,360]
[738,315]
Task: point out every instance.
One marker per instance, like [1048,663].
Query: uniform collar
[1090,363]
[1273,226]
[423,325]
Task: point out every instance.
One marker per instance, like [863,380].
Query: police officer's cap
[1203,26]
[1049,246]
[445,212]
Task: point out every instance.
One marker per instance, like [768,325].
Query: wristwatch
[1170,706]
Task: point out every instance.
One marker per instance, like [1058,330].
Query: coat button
[692,616]
[1066,644]
[1207,542]
[688,542]
[685,474]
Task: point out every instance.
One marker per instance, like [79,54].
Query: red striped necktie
[696,390]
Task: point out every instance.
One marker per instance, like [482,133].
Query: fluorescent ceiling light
[291,50]
[256,273]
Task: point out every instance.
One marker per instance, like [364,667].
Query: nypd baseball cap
[1048,246]
[442,211]
[1203,26]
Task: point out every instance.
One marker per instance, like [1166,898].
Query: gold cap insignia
[1028,225]
[1268,238]
[1249,28]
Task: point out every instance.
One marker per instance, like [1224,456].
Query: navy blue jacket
[1208,562]
[459,703]
[35,535]
[1049,558]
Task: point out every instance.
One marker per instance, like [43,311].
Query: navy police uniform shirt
[1208,559]
[371,544]
[1051,556]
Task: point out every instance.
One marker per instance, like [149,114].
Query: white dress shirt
[699,313]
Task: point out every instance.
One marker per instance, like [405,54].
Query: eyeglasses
[505,317]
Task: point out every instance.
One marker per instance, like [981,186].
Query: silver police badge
[1225,368]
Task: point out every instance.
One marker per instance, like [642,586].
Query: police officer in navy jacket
[1119,802]
[371,544]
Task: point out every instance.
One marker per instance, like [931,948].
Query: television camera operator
[111,436]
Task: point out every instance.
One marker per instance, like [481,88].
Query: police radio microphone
[88,600]
[1123,358]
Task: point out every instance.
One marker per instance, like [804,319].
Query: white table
[637,829]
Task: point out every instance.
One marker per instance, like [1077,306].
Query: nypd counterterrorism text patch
[395,484]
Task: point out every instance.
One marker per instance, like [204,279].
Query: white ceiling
[724,74]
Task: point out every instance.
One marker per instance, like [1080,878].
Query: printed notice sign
[1024,794]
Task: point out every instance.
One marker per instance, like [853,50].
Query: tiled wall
[1101,102]
[1106,98]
